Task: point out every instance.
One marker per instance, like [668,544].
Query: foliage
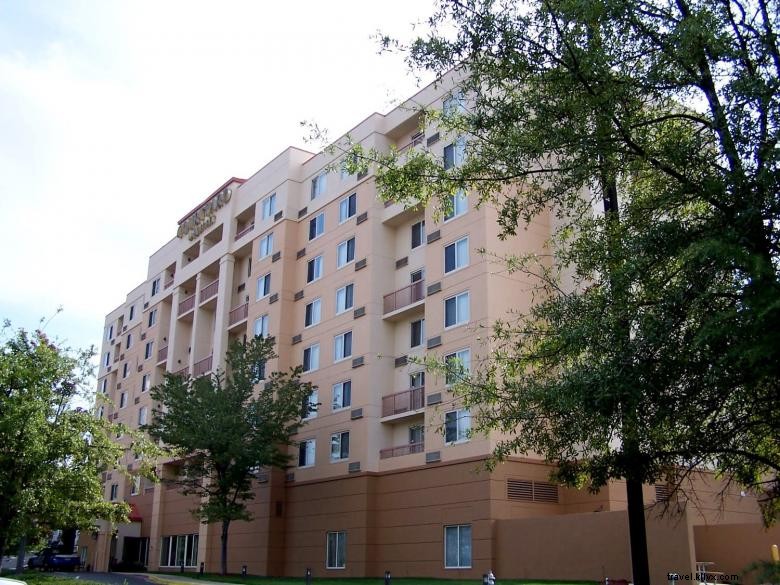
[669,317]
[224,431]
[51,453]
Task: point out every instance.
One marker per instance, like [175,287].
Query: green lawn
[255,580]
[40,578]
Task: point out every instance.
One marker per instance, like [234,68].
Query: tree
[224,431]
[654,346]
[51,453]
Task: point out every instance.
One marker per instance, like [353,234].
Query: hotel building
[385,475]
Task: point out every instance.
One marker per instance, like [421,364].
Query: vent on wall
[524,490]
[662,493]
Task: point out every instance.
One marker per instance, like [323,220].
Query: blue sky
[109,109]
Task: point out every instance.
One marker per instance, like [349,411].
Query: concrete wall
[732,547]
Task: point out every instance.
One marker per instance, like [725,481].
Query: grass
[40,578]
[256,580]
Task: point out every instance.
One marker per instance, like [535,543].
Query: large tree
[225,428]
[51,452]
[655,344]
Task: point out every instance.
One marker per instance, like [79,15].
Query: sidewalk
[166,578]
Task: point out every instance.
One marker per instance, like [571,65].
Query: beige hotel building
[386,475]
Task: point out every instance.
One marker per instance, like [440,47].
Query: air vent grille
[524,490]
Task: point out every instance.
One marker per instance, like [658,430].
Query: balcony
[162,355]
[238,314]
[409,401]
[185,371]
[202,367]
[209,291]
[169,282]
[244,231]
[186,305]
[398,303]
[402,450]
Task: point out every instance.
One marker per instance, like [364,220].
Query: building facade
[385,475]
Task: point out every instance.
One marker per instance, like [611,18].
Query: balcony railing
[412,399]
[244,231]
[237,314]
[185,371]
[201,367]
[169,282]
[162,354]
[402,450]
[210,290]
[404,296]
[187,305]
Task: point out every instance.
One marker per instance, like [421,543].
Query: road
[109,578]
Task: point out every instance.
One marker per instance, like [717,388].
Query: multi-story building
[386,475]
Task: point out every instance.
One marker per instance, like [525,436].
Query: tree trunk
[640,564]
[20,554]
[223,567]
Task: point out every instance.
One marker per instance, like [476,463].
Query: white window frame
[460,563]
[149,350]
[343,291]
[260,287]
[152,318]
[454,103]
[146,382]
[155,286]
[462,418]
[337,539]
[420,223]
[314,401]
[336,444]
[125,370]
[263,322]
[460,250]
[318,263]
[143,415]
[318,221]
[463,357]
[316,313]
[135,485]
[268,206]
[337,401]
[114,492]
[345,247]
[339,346]
[319,185]
[266,246]
[460,318]
[422,333]
[314,357]
[344,213]
[309,450]
[104,385]
[129,341]
[107,360]
[122,399]
[459,205]
[109,332]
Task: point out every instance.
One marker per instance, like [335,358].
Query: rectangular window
[457,546]
[311,405]
[179,550]
[146,382]
[456,255]
[155,286]
[142,412]
[104,385]
[417,333]
[339,446]
[418,234]
[342,346]
[110,332]
[455,153]
[336,550]
[417,380]
[261,326]
[123,400]
[345,298]
[347,207]
[129,342]
[342,395]
[132,313]
[316,226]
[454,104]
[114,492]
[266,245]
[345,252]
[263,286]
[456,310]
[107,359]
[269,206]
[148,349]
[458,365]
[457,424]
[135,485]
[152,317]
[457,204]
[314,269]
[318,185]
[417,275]
[306,453]
[125,370]
[311,358]
[313,313]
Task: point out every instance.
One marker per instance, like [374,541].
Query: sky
[116,118]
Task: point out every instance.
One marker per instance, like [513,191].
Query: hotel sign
[203,217]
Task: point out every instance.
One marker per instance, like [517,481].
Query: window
[261,326]
[142,412]
[339,446]
[179,550]
[306,452]
[458,365]
[263,286]
[110,332]
[310,405]
[146,382]
[457,546]
[101,411]
[457,204]
[314,269]
[129,341]
[345,252]
[318,185]
[132,313]
[311,358]
[417,333]
[155,286]
[455,153]
[135,485]
[123,400]
[316,226]
[457,424]
[114,491]
[417,380]
[345,297]
[342,395]
[266,245]
[347,207]
[342,346]
[152,317]
[417,435]
[125,370]
[456,255]
[454,104]
[269,206]
[417,275]
[313,313]
[107,359]
[104,385]
[336,550]
[418,234]
[148,349]
[456,310]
